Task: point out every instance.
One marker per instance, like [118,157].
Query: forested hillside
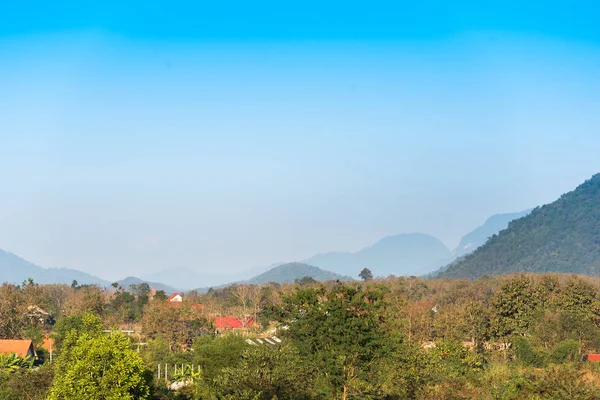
[563,236]
[477,237]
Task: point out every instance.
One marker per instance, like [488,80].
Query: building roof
[593,357]
[228,322]
[171,297]
[231,322]
[48,344]
[19,347]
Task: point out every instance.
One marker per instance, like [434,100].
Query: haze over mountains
[563,236]
[15,269]
[494,224]
[403,254]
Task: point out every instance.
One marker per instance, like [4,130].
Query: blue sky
[149,135]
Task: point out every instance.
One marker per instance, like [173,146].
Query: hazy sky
[137,136]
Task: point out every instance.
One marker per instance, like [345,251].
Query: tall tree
[340,330]
[365,274]
[93,365]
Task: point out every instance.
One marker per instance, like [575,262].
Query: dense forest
[501,337]
[559,237]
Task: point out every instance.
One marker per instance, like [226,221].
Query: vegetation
[501,337]
[559,237]
[365,274]
[94,365]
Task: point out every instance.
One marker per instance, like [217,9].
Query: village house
[175,298]
[22,348]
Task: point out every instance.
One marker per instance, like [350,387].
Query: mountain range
[403,254]
[563,236]
[14,269]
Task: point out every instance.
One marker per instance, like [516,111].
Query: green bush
[565,351]
[525,354]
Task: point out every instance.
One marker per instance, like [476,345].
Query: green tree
[93,365]
[25,383]
[340,329]
[365,274]
[580,297]
[513,307]
[404,373]
[305,280]
[160,295]
[265,373]
[214,353]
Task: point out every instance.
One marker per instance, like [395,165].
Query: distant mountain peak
[400,254]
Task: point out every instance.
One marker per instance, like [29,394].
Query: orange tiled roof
[20,347]
[48,344]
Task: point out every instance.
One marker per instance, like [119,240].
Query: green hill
[292,271]
[563,236]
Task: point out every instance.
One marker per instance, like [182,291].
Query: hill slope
[292,271]
[477,237]
[14,269]
[563,236]
[404,254]
[131,280]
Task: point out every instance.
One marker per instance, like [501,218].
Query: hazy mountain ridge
[132,280]
[291,271]
[563,236]
[403,254]
[188,279]
[478,236]
[15,269]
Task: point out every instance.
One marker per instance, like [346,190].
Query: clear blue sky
[138,135]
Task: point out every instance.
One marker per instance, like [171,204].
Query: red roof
[171,297]
[594,357]
[22,348]
[231,322]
